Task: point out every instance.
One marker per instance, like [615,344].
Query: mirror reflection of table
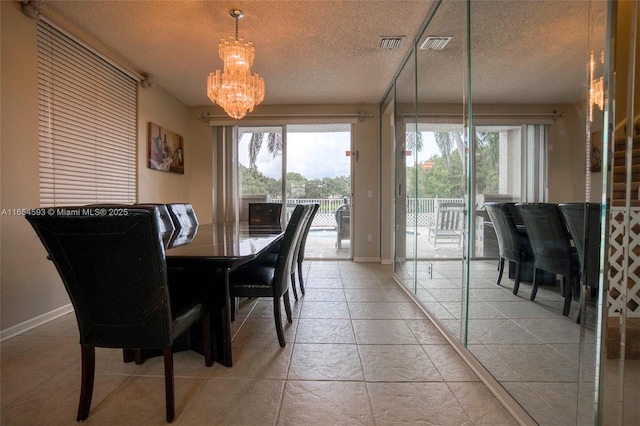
[205,261]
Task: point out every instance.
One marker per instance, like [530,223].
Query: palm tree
[444,142]
[274,145]
[414,141]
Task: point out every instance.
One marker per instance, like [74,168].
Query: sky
[318,154]
[313,155]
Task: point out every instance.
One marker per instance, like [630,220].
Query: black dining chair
[185,221]
[303,243]
[270,256]
[114,270]
[166,225]
[265,217]
[552,248]
[513,241]
[256,279]
[580,217]
[183,215]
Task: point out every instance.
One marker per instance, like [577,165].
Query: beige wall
[566,156]
[158,106]
[31,290]
[29,283]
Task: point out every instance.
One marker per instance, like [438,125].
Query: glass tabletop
[220,241]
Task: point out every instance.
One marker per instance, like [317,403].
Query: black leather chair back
[114,269]
[305,232]
[581,216]
[265,217]
[550,238]
[513,243]
[183,215]
[287,252]
[165,223]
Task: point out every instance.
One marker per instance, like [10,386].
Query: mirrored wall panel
[500,175]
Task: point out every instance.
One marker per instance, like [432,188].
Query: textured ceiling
[316,52]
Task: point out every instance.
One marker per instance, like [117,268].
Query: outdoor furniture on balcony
[343,225]
[447,225]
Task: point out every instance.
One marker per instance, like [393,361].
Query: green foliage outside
[442,176]
[254,182]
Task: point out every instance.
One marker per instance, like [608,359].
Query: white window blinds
[87,125]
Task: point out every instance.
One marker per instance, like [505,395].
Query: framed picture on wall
[596,152]
[165,150]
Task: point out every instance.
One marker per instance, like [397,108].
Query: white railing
[421,209]
[326,215]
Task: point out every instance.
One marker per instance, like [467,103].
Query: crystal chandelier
[596,89]
[235,89]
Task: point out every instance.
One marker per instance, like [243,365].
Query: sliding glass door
[318,170]
[300,164]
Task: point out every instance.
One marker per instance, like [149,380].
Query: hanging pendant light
[235,89]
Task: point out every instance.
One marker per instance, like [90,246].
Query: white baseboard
[367,259]
[34,322]
[386,262]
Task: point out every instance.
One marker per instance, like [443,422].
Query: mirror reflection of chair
[256,279]
[114,270]
[513,241]
[552,248]
[343,225]
[265,217]
[447,225]
[581,216]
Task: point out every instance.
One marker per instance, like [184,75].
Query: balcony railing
[420,211]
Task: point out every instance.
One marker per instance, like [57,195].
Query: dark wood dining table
[205,259]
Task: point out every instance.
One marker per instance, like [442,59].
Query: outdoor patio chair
[447,225]
[343,225]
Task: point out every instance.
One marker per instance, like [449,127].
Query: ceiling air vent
[435,43]
[390,42]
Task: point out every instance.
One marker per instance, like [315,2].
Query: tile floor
[359,352]
[529,347]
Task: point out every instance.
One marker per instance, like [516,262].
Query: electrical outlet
[369,237]
[429,270]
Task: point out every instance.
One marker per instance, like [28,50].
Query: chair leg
[287,306]
[277,315]
[206,340]
[568,287]
[500,270]
[86,388]
[534,290]
[516,284]
[137,356]
[168,383]
[293,285]
[300,278]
